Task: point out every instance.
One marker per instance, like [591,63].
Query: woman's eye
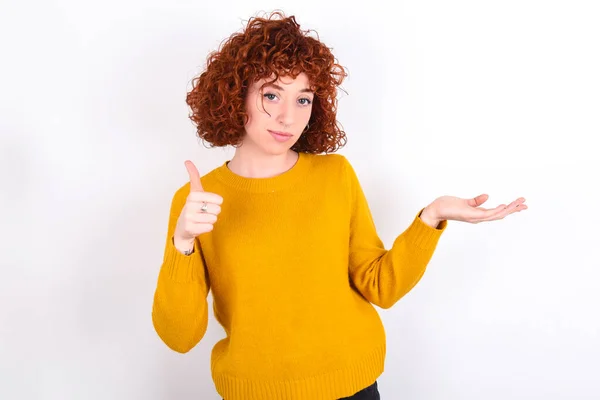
[306,101]
[270,96]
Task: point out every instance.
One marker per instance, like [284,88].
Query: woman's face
[277,114]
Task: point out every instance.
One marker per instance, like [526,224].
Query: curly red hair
[267,47]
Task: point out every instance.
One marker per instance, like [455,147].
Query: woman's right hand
[198,214]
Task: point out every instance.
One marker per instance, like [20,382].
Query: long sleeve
[384,276]
[180,309]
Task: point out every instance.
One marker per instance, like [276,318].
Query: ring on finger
[204,207]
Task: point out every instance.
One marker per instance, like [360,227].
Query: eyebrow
[307,90]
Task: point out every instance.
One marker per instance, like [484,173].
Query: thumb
[195,185]
[479,200]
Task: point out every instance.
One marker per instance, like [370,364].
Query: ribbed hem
[284,180]
[422,235]
[341,383]
[182,268]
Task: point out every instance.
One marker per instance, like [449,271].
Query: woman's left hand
[468,210]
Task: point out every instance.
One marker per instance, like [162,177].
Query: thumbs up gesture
[199,212]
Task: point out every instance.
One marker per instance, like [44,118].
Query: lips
[281,137]
[279,133]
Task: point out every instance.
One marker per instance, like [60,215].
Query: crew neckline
[268,184]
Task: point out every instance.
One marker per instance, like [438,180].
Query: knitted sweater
[295,266]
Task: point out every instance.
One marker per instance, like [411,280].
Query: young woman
[282,233]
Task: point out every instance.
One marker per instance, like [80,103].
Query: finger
[479,200]
[203,218]
[202,227]
[483,214]
[211,208]
[513,207]
[501,209]
[489,211]
[195,185]
[199,197]
[480,214]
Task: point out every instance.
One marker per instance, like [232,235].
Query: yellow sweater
[295,266]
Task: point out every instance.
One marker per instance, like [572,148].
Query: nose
[286,113]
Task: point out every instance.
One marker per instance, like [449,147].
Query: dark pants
[368,393]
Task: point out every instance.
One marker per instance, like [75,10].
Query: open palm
[469,210]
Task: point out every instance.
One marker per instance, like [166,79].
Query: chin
[278,149]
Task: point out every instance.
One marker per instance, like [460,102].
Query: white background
[457,98]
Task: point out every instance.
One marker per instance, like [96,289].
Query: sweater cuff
[182,268]
[422,235]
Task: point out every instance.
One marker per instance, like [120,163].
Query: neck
[248,165]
